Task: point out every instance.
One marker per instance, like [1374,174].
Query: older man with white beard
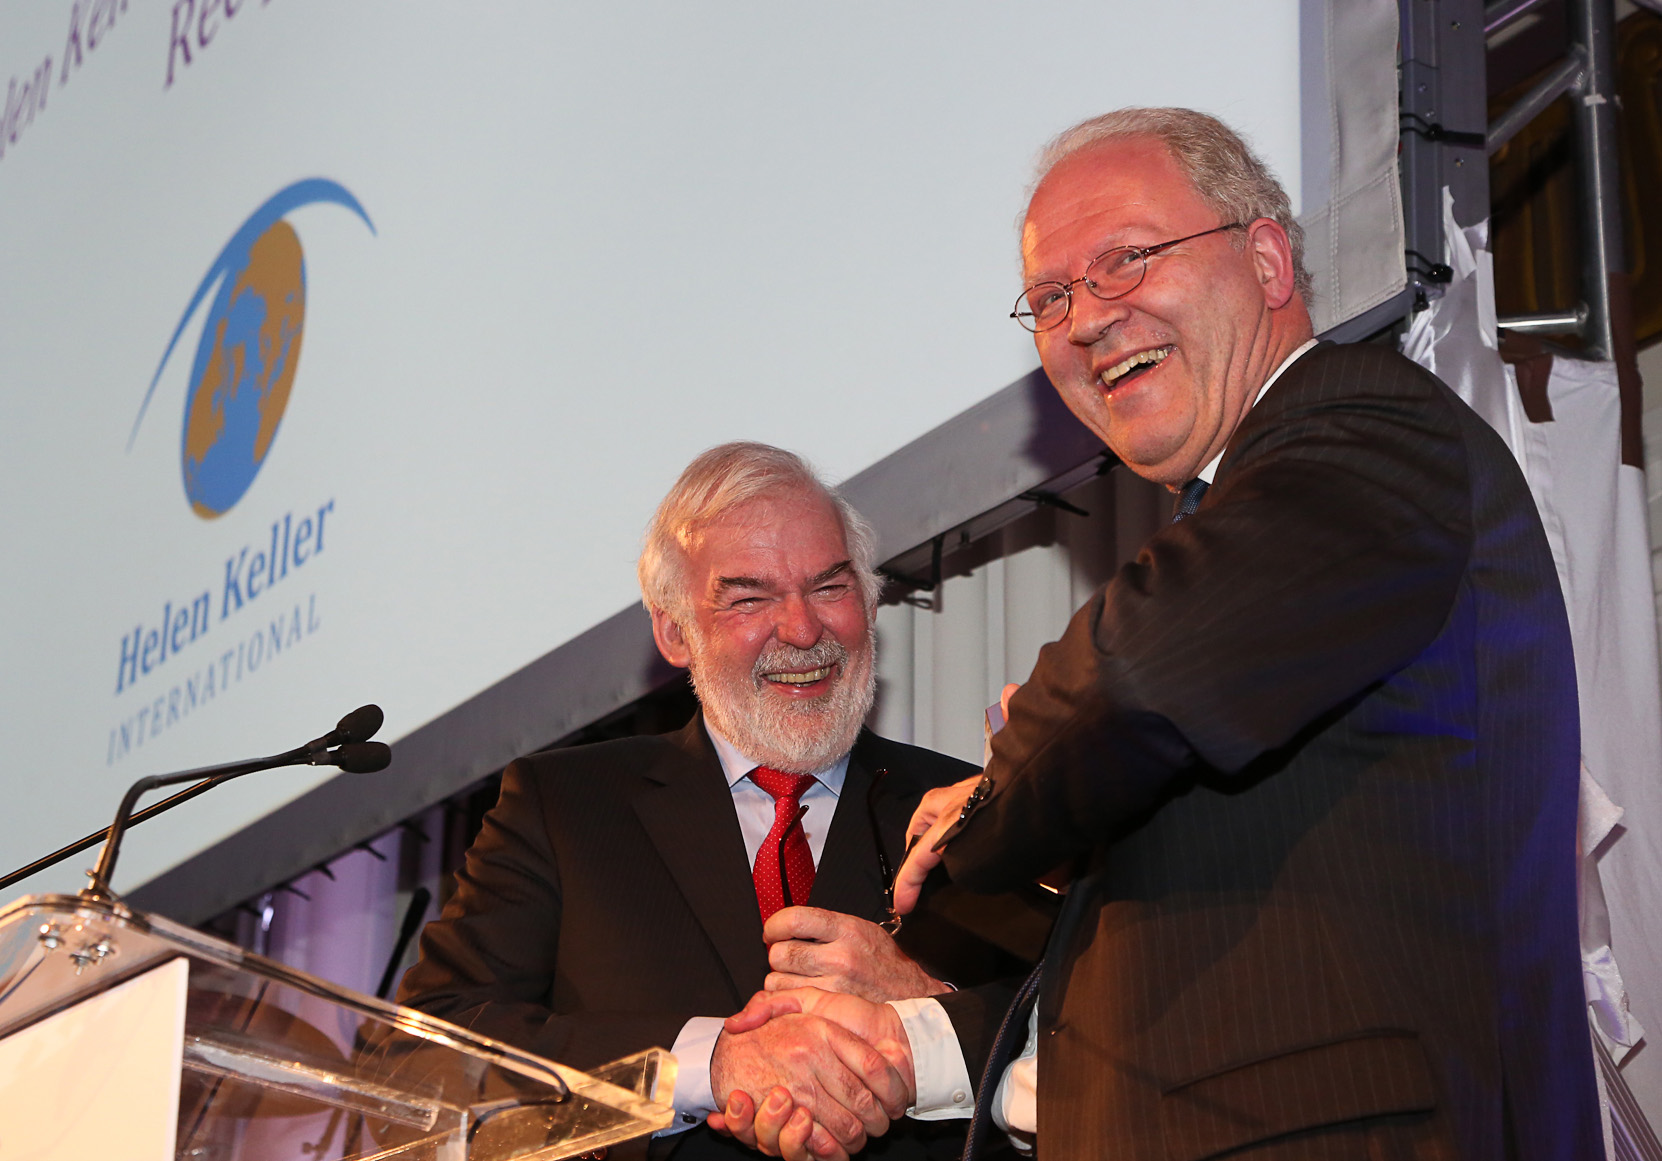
[632,893]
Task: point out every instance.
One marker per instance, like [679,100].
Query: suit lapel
[687,812]
[848,878]
[1269,411]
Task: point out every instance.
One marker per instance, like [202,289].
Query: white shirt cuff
[944,1091]
[693,1048]
[1016,1103]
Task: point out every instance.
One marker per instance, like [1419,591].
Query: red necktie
[798,860]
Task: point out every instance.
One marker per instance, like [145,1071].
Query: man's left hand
[812,947]
[936,814]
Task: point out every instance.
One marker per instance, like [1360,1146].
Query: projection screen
[347,347]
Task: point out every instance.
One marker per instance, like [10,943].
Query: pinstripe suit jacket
[608,899]
[1320,741]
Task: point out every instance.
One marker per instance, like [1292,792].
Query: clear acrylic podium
[276,1063]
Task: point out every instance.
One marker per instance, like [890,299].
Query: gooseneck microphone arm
[351,752]
[99,882]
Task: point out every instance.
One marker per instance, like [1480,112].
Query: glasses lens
[1115,273]
[1043,306]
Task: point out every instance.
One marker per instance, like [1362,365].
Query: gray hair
[1224,171]
[719,481]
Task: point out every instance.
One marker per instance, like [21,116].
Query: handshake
[839,1067]
[817,1062]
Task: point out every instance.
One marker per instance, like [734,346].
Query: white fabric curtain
[1594,511]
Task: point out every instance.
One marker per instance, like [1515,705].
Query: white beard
[783,732]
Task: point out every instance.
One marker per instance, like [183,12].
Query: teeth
[808,678]
[1112,374]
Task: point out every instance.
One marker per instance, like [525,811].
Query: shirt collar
[736,765]
[1211,469]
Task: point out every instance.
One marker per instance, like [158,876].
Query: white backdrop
[604,237]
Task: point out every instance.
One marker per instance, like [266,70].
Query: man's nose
[798,624]
[1091,317]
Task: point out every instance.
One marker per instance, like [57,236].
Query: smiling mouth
[805,678]
[1130,368]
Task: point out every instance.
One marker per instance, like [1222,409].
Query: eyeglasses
[1111,275]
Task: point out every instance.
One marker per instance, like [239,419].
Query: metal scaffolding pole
[1604,316]
[1593,28]
[1604,275]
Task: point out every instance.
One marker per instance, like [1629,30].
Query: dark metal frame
[1442,104]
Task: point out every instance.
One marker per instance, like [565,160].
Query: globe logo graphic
[246,360]
[244,370]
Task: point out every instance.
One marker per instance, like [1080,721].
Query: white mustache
[780,657]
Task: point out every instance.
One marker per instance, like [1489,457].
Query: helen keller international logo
[250,347]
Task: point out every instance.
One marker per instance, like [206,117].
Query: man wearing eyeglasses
[630,894]
[1317,745]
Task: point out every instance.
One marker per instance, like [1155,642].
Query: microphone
[358,726]
[346,746]
[356,757]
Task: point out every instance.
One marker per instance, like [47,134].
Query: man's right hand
[847,1086]
[779,1126]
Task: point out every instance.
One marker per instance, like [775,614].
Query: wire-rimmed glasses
[1111,274]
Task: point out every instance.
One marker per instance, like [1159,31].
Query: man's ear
[1272,262]
[671,641]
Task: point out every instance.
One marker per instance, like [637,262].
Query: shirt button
[959,1097]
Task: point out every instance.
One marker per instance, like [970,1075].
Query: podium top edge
[198,944]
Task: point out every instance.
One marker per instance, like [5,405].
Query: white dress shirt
[934,1045]
[754,806]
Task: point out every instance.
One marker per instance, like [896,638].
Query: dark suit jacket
[608,899]
[1320,742]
